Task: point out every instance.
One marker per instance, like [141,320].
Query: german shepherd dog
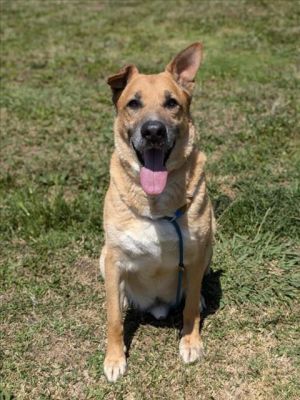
[155,170]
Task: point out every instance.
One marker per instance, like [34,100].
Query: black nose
[154,131]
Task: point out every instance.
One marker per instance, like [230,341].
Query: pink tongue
[153,175]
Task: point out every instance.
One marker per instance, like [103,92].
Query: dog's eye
[134,104]
[171,103]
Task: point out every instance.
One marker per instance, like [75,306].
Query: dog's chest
[151,243]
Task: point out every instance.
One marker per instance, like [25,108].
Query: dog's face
[152,123]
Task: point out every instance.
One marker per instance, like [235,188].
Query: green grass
[56,140]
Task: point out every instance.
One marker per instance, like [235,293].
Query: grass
[56,139]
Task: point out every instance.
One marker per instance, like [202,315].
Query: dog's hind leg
[202,304]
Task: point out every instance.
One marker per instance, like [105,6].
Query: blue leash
[181,267]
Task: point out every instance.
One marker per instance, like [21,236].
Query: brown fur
[129,210]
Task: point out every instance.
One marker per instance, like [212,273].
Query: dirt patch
[86,271]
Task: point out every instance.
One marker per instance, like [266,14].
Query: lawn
[56,140]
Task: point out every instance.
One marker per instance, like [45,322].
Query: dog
[155,170]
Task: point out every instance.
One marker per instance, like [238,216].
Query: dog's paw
[114,367]
[159,311]
[191,349]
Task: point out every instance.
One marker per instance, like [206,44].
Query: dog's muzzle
[153,142]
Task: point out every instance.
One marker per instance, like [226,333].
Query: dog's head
[152,123]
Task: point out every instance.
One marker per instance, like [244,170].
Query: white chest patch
[149,254]
[148,244]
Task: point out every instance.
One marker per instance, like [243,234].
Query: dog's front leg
[115,359]
[190,346]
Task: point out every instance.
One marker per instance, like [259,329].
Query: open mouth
[153,174]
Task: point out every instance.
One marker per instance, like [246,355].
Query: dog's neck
[130,192]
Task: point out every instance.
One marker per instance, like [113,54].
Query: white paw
[160,311]
[190,350]
[114,368]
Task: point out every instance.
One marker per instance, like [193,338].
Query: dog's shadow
[212,293]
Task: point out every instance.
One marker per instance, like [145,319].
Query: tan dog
[155,170]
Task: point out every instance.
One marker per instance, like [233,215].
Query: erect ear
[118,81]
[185,66]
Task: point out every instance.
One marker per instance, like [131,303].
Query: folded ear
[118,81]
[185,66]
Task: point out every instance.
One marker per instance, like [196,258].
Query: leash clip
[181,267]
[172,219]
[178,213]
